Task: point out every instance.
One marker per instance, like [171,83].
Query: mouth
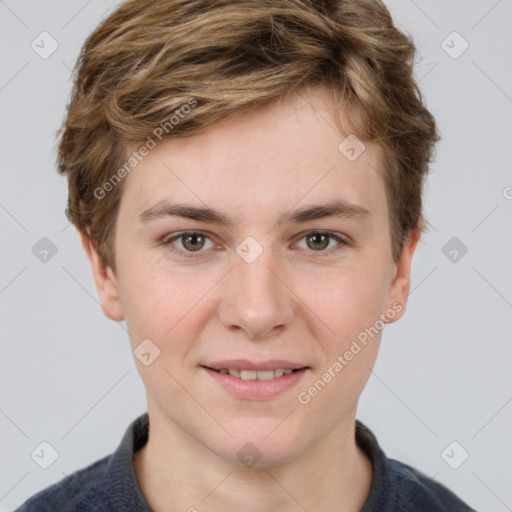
[256,381]
[244,374]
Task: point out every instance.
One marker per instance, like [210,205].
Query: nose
[256,298]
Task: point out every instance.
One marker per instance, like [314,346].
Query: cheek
[163,304]
[350,301]
[350,305]
[166,306]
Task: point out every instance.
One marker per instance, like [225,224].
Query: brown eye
[188,244]
[318,241]
[193,242]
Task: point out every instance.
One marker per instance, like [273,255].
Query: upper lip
[244,364]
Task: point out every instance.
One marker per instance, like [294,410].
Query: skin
[287,304]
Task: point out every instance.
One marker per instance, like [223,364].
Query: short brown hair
[150,58]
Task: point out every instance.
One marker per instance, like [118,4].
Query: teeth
[256,375]
[249,374]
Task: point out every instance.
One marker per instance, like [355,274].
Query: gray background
[67,376]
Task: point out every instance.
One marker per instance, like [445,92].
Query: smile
[256,375]
[251,384]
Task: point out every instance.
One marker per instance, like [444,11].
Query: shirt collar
[123,488]
[125,494]
[377,499]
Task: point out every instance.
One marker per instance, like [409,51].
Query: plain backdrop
[442,386]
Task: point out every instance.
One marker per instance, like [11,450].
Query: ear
[106,282]
[401,282]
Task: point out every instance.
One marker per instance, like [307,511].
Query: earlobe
[106,283]
[401,283]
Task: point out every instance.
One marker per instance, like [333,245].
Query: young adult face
[258,290]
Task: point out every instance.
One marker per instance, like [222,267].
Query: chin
[257,448]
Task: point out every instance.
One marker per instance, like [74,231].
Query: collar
[125,494]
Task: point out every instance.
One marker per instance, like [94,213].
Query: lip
[256,389]
[245,364]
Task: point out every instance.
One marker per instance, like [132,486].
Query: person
[246,179]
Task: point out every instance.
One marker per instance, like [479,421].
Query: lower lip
[257,389]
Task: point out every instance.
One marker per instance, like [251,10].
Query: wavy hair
[149,58]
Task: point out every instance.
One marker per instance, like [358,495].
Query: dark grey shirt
[110,484]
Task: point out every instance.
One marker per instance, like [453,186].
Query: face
[281,286]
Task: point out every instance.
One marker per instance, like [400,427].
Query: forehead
[276,157]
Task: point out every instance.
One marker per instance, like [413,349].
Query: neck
[175,472]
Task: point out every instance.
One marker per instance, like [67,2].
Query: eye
[320,240]
[192,243]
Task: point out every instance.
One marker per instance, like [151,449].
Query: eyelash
[167,242]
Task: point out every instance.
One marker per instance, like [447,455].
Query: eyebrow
[338,208]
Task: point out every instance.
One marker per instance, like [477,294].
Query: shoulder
[80,491]
[107,484]
[416,491]
[398,487]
